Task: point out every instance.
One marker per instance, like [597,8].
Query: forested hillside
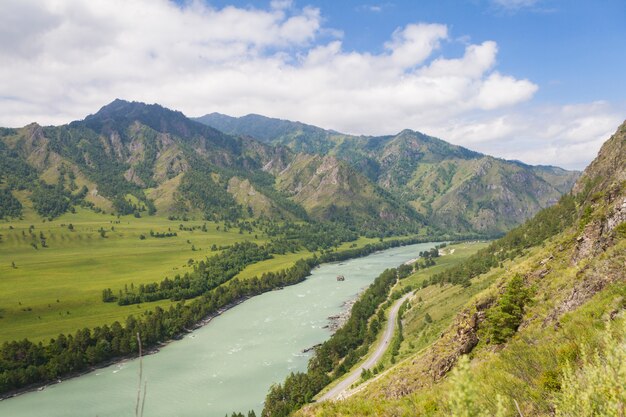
[133,158]
[546,336]
[448,185]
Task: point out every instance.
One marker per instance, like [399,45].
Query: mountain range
[132,157]
[447,184]
[532,325]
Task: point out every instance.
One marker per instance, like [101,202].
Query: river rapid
[227,365]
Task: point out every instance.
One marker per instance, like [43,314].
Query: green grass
[277,263]
[529,367]
[56,289]
[441,303]
[77,265]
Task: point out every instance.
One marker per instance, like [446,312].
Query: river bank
[122,359]
[335,322]
[272,284]
[246,348]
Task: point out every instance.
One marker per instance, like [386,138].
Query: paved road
[338,390]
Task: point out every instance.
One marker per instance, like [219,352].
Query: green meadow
[58,288]
[280,262]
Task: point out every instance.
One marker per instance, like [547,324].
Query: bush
[596,386]
[463,397]
[504,319]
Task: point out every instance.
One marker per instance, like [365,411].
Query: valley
[228,363]
[293,208]
[538,331]
[138,220]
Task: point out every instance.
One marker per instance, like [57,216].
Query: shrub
[463,397]
[504,319]
[595,387]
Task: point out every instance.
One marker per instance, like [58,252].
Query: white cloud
[65,59]
[474,63]
[414,43]
[567,136]
[498,91]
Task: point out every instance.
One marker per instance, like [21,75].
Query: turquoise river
[227,365]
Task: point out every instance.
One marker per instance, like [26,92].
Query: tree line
[206,276]
[9,205]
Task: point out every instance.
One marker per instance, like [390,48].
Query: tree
[428,319]
[504,319]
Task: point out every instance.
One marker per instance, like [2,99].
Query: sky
[541,81]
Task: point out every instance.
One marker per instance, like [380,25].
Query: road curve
[337,391]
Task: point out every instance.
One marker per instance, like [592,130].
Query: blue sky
[571,48]
[535,80]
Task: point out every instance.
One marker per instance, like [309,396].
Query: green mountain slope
[146,159]
[330,189]
[449,185]
[546,336]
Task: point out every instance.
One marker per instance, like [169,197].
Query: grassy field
[279,262]
[58,288]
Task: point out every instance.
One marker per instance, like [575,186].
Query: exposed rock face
[435,363]
[246,195]
[131,176]
[608,167]
[590,281]
[603,188]
[329,188]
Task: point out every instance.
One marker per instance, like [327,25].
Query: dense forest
[9,205]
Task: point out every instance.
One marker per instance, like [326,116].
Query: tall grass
[596,386]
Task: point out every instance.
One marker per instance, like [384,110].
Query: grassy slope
[440,302]
[79,264]
[279,262]
[432,296]
[527,369]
